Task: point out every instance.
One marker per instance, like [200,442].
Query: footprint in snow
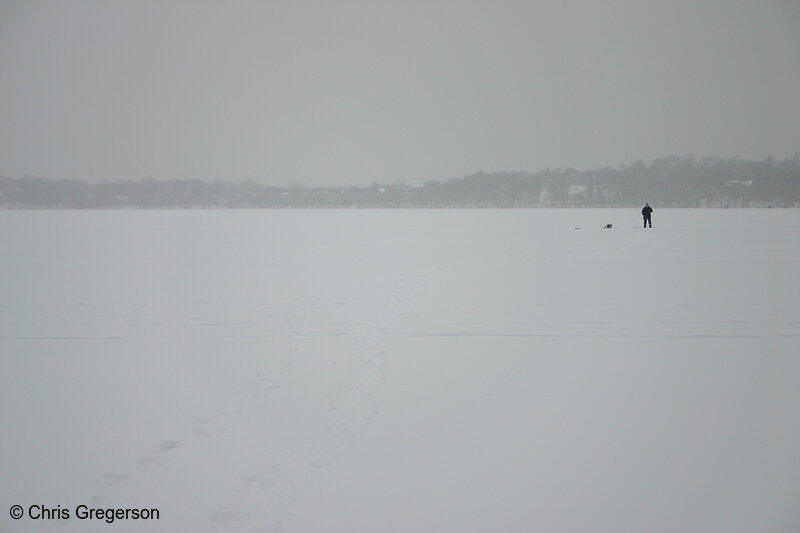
[168,445]
[115,479]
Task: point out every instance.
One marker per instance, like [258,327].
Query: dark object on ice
[646,212]
[608,226]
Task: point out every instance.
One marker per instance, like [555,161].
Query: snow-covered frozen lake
[402,371]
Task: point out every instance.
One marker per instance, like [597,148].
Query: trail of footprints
[272,489]
[121,487]
[264,497]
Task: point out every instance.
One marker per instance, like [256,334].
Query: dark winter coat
[646,211]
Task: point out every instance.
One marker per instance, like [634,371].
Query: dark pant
[647,221]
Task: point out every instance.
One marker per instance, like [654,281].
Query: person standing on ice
[646,211]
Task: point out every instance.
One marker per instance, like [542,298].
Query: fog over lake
[351,92]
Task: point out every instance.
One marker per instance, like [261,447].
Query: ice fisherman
[646,212]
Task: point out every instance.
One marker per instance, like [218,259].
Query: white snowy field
[402,371]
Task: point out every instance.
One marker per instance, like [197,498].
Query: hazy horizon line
[301,184]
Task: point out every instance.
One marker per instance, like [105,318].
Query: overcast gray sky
[346,92]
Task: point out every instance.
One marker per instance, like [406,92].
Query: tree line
[672,181]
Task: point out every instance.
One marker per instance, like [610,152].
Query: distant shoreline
[671,181]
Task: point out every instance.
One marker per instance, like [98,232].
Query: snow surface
[403,371]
